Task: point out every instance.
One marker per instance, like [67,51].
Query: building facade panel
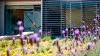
[20,0]
[1,18]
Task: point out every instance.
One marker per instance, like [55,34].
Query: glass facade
[76,12]
[58,15]
[51,19]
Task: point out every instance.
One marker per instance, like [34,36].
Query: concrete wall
[1,18]
[75,18]
[23,3]
[23,0]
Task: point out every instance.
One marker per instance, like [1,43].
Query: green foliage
[3,44]
[46,48]
[46,38]
[52,37]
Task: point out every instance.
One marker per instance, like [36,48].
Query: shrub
[46,38]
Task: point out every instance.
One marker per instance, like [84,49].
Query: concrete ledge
[23,3]
[10,36]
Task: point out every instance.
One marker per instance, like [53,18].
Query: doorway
[29,16]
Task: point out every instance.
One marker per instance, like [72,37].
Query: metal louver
[51,19]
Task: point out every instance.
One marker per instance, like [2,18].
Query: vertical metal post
[61,17]
[41,16]
[33,18]
[81,14]
[96,9]
[70,17]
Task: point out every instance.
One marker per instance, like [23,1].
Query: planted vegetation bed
[46,48]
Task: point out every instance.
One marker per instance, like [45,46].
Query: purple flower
[37,41]
[22,36]
[31,40]
[80,26]
[95,34]
[77,31]
[65,39]
[84,26]
[66,48]
[13,38]
[19,23]
[73,34]
[66,29]
[70,48]
[8,51]
[83,36]
[21,28]
[59,48]
[78,42]
[95,39]
[56,42]
[63,32]
[35,35]
[83,33]
[22,40]
[25,51]
[48,33]
[17,54]
[87,27]
[97,17]
[27,39]
[72,30]
[89,45]
[34,38]
[40,31]
[89,33]
[73,53]
[99,30]
[83,22]
[95,20]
